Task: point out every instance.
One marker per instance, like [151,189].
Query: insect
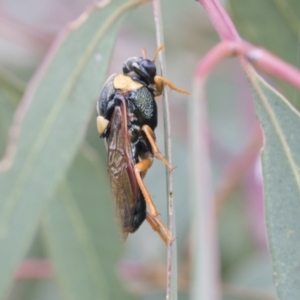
[127,117]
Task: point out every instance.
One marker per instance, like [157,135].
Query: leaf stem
[220,19]
[171,291]
[260,58]
[205,284]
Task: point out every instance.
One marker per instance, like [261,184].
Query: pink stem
[34,269]
[273,65]
[260,58]
[220,19]
[215,56]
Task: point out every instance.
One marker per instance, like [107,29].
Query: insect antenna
[144,53]
[161,47]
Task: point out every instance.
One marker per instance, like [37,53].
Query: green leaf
[273,25]
[62,96]
[281,172]
[81,233]
[6,113]
[11,90]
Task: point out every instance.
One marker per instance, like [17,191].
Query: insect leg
[139,168]
[151,138]
[160,228]
[152,214]
[160,81]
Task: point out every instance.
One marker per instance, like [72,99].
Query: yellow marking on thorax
[125,83]
[102,124]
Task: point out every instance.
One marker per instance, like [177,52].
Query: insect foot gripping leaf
[127,118]
[281,172]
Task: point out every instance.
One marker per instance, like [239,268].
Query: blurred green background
[136,270]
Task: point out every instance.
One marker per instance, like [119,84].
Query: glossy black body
[127,112]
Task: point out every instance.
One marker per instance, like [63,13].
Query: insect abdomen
[140,211]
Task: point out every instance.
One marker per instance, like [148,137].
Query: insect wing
[120,168]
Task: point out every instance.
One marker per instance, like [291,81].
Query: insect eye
[149,66]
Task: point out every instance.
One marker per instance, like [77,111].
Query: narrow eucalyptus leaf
[62,96]
[81,236]
[281,172]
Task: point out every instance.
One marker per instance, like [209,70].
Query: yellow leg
[152,214]
[139,168]
[160,228]
[160,81]
[151,138]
